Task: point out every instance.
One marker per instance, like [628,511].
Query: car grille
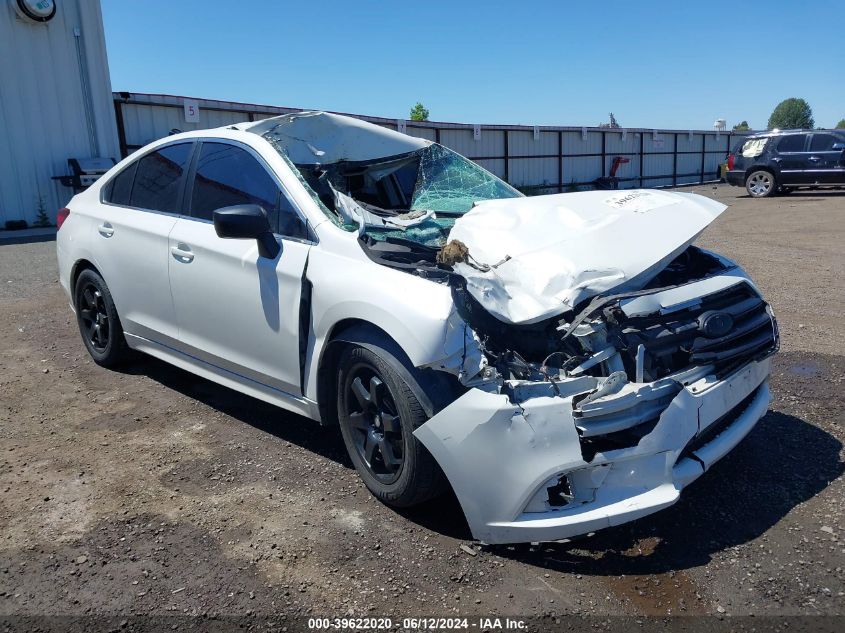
[681,340]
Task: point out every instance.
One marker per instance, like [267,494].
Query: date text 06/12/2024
[417,624]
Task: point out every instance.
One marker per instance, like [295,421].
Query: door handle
[183,253]
[105,229]
[815,158]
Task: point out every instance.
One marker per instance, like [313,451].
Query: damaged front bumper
[524,468]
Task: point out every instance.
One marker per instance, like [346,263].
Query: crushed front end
[603,361]
[604,414]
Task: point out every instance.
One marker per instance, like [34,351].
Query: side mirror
[244,222]
[838,146]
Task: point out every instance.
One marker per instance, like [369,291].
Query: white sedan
[564,362]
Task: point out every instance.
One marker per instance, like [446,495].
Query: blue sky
[672,64]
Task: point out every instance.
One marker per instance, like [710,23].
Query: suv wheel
[760,184]
[98,322]
[378,413]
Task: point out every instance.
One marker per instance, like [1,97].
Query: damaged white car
[564,362]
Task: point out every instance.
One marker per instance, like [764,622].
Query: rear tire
[760,184]
[98,322]
[378,413]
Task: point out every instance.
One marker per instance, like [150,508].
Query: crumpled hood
[533,258]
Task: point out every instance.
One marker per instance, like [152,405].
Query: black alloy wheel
[93,317]
[378,411]
[98,322]
[374,420]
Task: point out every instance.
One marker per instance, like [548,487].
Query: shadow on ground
[442,515]
[27,237]
[783,462]
[808,195]
[288,426]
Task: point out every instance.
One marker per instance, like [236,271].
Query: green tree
[742,127]
[42,219]
[841,125]
[419,112]
[792,113]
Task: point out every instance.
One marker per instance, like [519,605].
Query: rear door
[792,159]
[828,158]
[235,309]
[139,208]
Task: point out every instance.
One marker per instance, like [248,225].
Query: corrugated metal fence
[544,159]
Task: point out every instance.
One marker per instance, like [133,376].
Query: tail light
[731,159]
[61,216]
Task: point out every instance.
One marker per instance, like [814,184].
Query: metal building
[55,101]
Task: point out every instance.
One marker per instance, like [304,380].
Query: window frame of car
[803,150]
[188,174]
[309,238]
[838,139]
[133,164]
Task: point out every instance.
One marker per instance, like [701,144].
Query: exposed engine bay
[391,202]
[542,283]
[592,331]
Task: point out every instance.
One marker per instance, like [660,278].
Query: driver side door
[235,309]
[827,151]
[792,160]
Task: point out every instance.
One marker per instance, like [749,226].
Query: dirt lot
[153,491]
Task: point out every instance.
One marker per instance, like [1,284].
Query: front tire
[760,184]
[98,322]
[378,413]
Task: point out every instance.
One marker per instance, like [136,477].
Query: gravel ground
[151,491]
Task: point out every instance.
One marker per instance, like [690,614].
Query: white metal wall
[563,158]
[43,104]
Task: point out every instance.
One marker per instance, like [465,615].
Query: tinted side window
[159,178]
[791,143]
[121,186]
[228,175]
[824,142]
[290,222]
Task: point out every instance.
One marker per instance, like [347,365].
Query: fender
[435,390]
[405,300]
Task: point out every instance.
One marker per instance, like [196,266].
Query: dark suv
[779,161]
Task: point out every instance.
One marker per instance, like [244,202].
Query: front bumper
[501,456]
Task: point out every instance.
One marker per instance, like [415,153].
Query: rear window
[120,187]
[158,179]
[753,147]
[791,143]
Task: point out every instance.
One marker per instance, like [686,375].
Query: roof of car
[793,131]
[325,138]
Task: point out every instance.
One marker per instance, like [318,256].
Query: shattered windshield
[414,196]
[448,182]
